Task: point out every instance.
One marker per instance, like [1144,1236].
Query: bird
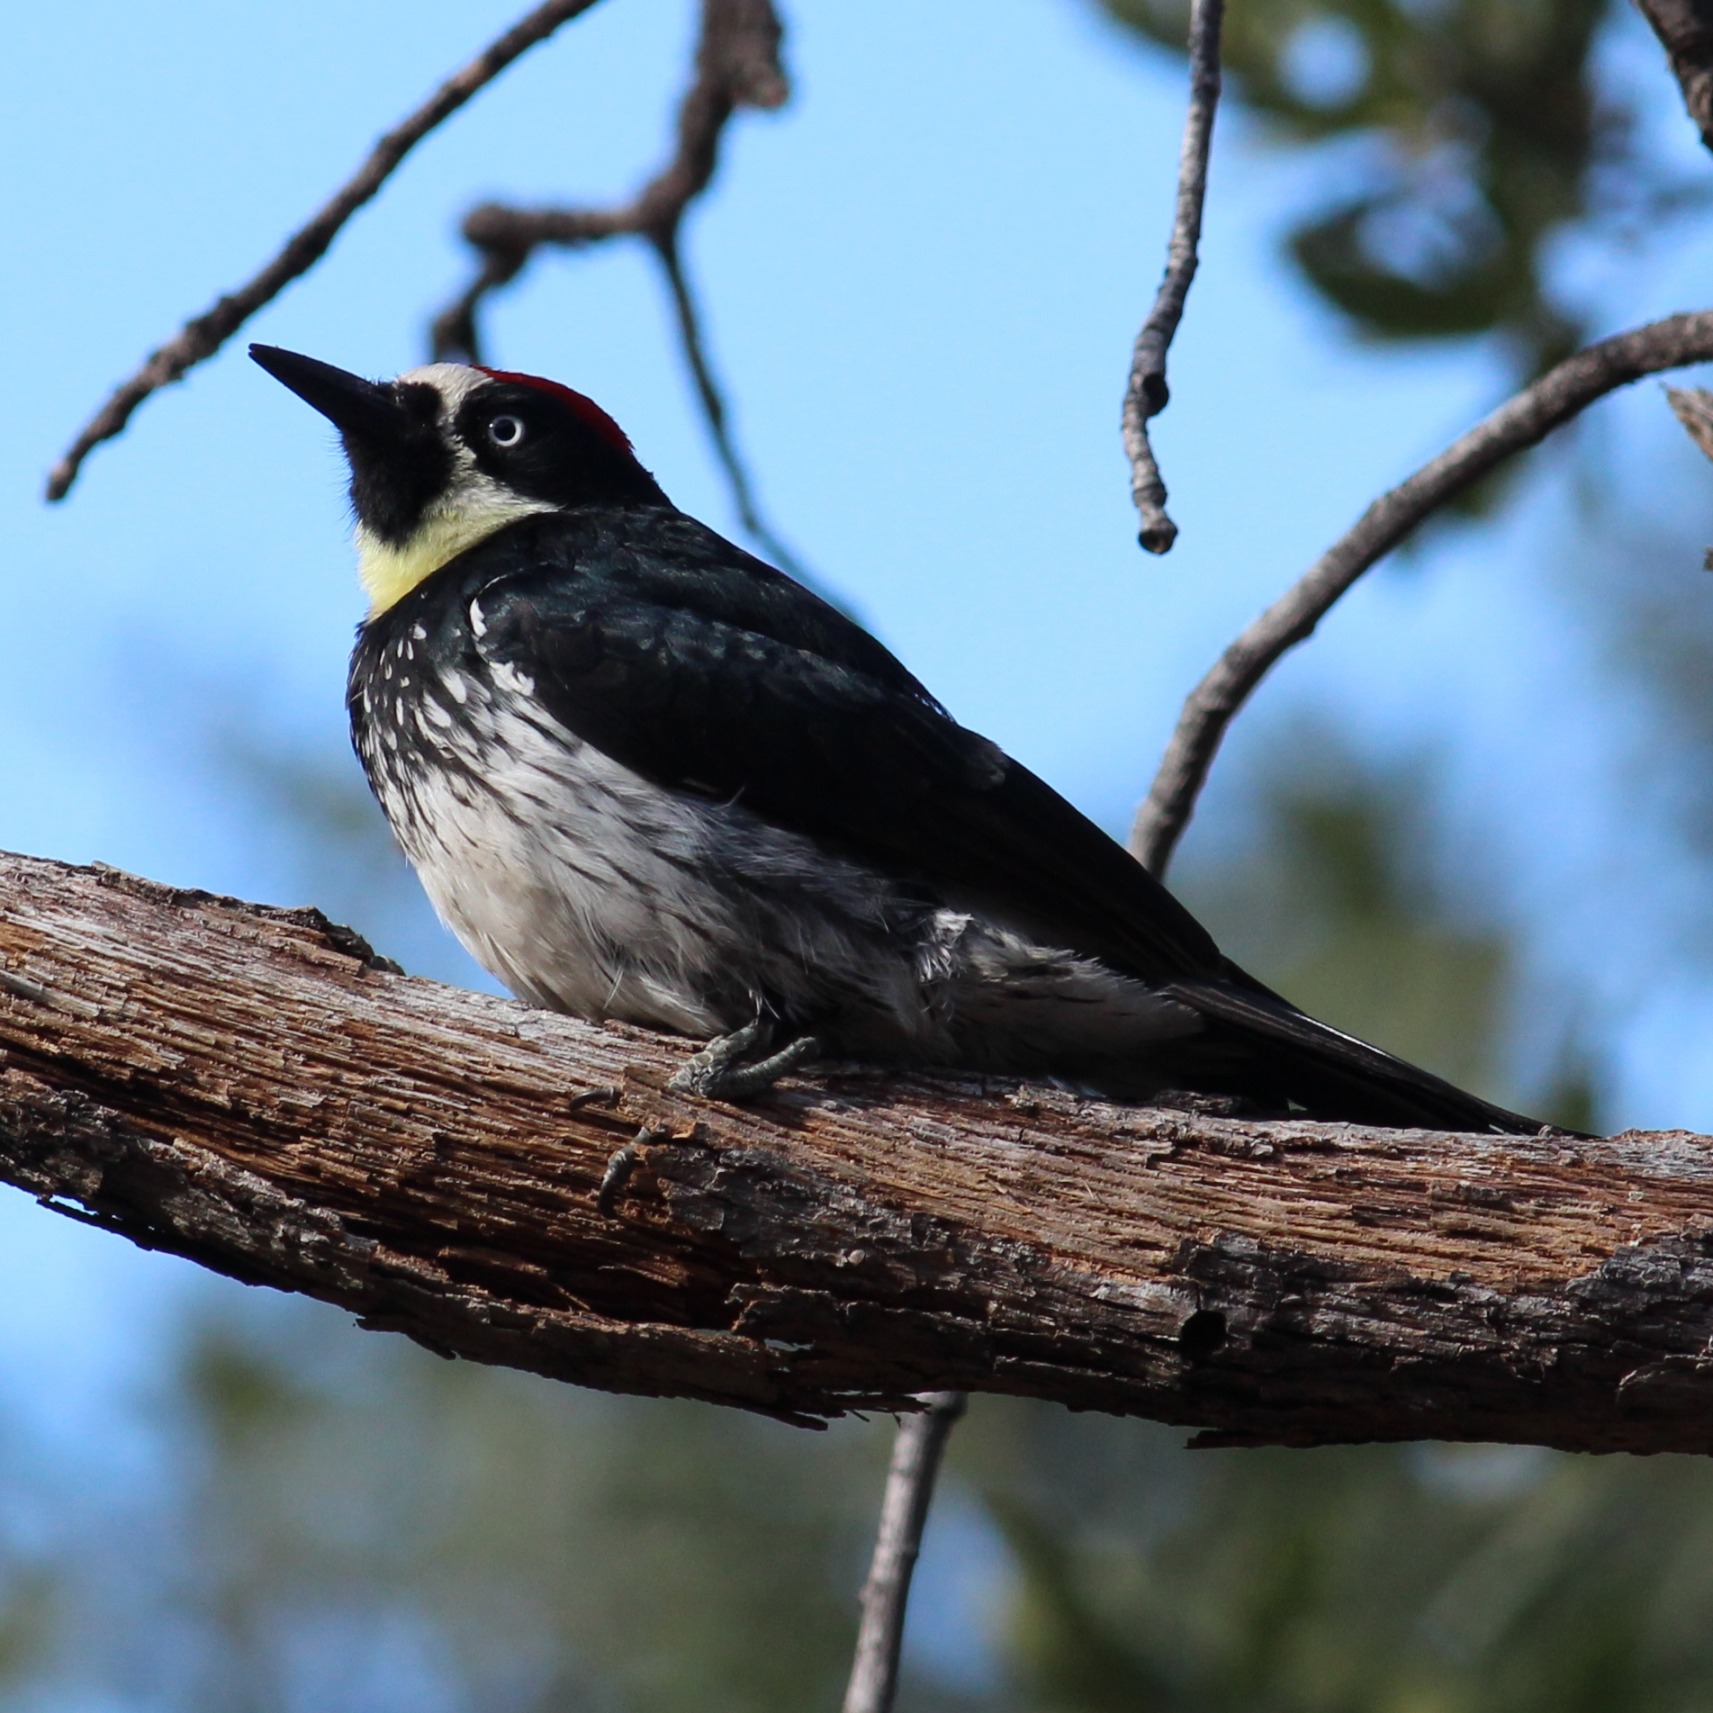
[642,775]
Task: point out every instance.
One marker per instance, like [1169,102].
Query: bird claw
[624,1161]
[719,1073]
[704,1069]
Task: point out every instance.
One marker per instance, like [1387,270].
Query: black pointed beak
[366,410]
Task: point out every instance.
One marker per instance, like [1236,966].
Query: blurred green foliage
[552,1548]
[1470,135]
[1340,922]
[1343,903]
[345,1522]
[1412,1579]
[350,1523]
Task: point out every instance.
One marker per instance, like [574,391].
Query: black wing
[702,669]
[834,740]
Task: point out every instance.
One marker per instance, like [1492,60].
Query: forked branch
[737,65]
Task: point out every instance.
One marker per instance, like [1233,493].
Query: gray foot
[719,1071]
[624,1161]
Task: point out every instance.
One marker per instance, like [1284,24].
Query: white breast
[585,888]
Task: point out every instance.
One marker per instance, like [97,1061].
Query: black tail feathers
[1287,1056]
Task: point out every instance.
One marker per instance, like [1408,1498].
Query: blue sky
[921,282]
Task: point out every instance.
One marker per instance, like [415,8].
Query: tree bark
[253,1089]
[1685,30]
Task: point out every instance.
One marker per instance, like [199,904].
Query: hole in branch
[1202,1334]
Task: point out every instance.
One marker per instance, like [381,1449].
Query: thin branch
[1685,28]
[1523,421]
[714,413]
[916,1455]
[204,334]
[737,64]
[251,1089]
[1147,393]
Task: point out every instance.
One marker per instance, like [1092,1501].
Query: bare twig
[714,413]
[1685,27]
[737,65]
[204,334]
[1523,421]
[916,1457]
[1147,394]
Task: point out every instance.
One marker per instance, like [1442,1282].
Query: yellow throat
[389,572]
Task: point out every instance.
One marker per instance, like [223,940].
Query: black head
[549,443]
[452,449]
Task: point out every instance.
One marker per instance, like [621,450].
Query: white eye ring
[506,431]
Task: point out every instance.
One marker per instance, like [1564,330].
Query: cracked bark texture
[252,1089]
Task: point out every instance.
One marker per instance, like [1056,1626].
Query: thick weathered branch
[248,1088]
[1146,393]
[1523,421]
[1685,27]
[204,334]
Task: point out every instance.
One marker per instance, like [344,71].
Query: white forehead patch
[453,381]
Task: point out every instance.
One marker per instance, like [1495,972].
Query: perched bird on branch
[643,775]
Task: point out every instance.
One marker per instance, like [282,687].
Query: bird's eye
[506,430]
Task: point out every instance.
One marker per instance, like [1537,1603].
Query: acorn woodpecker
[643,775]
